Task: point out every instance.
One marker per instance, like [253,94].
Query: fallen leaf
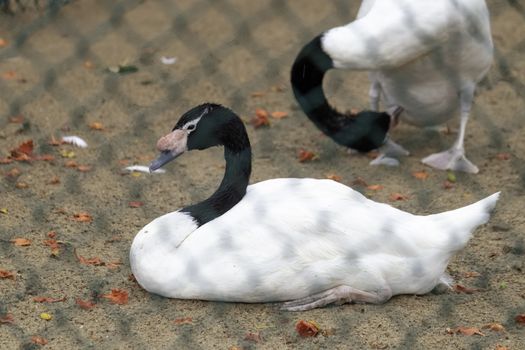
[55,180]
[375,187]
[45,157]
[117,296]
[82,217]
[279,115]
[21,185]
[7,274]
[85,305]
[48,299]
[51,234]
[501,347]
[67,154]
[306,329]
[359,181]
[9,75]
[334,177]
[4,211]
[113,264]
[183,320]
[3,42]
[88,64]
[520,319]
[136,204]
[36,339]
[398,197]
[496,327]
[465,331]
[13,173]
[6,318]
[24,148]
[5,160]
[253,337]
[258,94]
[46,316]
[471,274]
[420,175]
[306,156]
[260,119]
[84,168]
[70,164]
[17,119]
[91,261]
[503,156]
[458,288]
[96,126]
[21,242]
[451,177]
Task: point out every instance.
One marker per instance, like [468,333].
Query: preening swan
[305,241]
[424,58]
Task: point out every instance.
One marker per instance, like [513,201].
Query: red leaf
[183,320]
[260,119]
[24,148]
[496,327]
[91,261]
[117,296]
[420,175]
[375,187]
[7,274]
[398,197]
[520,319]
[306,156]
[6,318]
[82,217]
[306,329]
[48,300]
[334,177]
[136,204]
[462,289]
[21,242]
[503,156]
[36,339]
[465,331]
[85,305]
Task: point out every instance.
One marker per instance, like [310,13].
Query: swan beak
[164,158]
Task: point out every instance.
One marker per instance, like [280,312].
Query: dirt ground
[54,73]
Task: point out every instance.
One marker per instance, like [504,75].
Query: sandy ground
[226,51]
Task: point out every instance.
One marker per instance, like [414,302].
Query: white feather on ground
[75,141]
[143,169]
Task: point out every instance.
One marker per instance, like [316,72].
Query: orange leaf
[279,115]
[3,42]
[7,274]
[334,177]
[84,168]
[21,185]
[54,180]
[471,274]
[117,296]
[260,119]
[468,331]
[420,175]
[136,204]
[48,300]
[82,217]
[520,319]
[91,261]
[71,164]
[496,327]
[398,197]
[501,347]
[462,289]
[375,187]
[36,339]
[96,126]
[306,329]
[183,320]
[6,318]
[9,75]
[85,305]
[24,148]
[306,156]
[21,242]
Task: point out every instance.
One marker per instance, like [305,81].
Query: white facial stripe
[194,121]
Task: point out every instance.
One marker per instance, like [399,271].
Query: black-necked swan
[306,241]
[424,57]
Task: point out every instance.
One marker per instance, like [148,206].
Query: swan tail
[460,223]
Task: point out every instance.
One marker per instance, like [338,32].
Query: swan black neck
[237,153]
[363,132]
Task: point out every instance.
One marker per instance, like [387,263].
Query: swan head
[203,126]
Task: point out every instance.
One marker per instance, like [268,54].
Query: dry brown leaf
[70,164]
[260,119]
[117,296]
[84,168]
[17,119]
[82,217]
[183,320]
[334,177]
[9,75]
[496,327]
[458,288]
[5,160]
[503,156]
[91,261]
[21,242]
[7,274]
[88,64]
[48,299]
[468,331]
[21,185]
[398,197]
[45,157]
[36,339]
[306,329]
[85,305]
[24,149]
[13,173]
[520,319]
[501,347]
[359,181]
[420,175]
[470,274]
[55,180]
[253,337]
[3,42]
[6,318]
[135,204]
[306,156]
[96,126]
[113,264]
[279,115]
[375,187]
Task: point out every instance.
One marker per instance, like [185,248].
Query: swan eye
[191,127]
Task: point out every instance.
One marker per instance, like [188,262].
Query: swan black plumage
[305,241]
[424,58]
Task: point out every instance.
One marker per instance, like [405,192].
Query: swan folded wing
[392,33]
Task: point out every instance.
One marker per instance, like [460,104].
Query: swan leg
[339,295]
[374,95]
[454,158]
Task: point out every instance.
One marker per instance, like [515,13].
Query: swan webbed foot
[337,295]
[388,154]
[452,159]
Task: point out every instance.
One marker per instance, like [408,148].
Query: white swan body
[310,242]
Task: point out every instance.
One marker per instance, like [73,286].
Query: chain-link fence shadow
[119,75]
